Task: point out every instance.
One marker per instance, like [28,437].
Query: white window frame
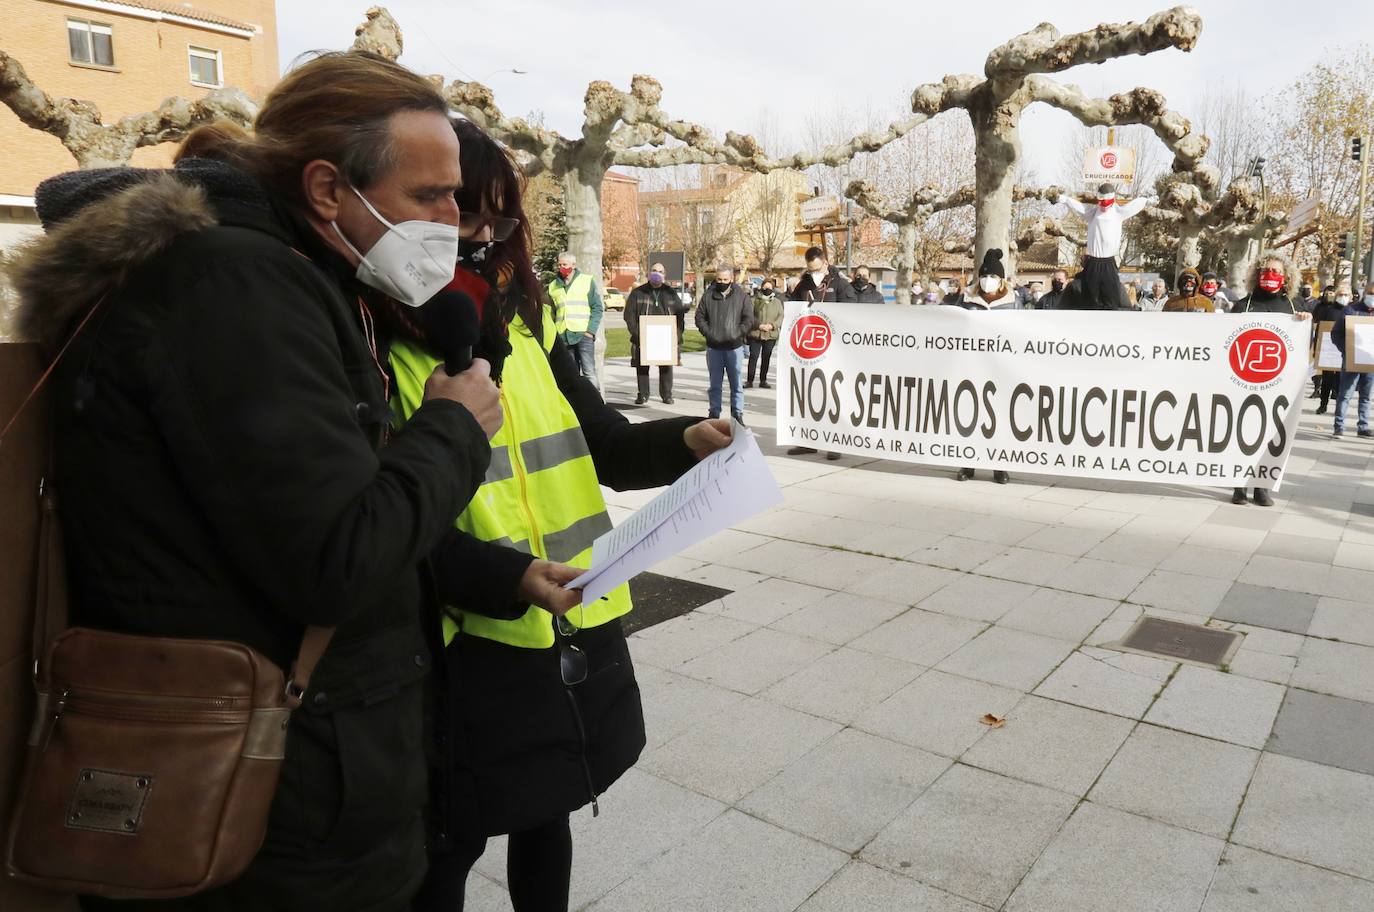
[90,28]
[192,52]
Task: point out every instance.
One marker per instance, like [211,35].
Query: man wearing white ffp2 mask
[411,262]
[822,282]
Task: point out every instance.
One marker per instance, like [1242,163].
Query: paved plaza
[817,737]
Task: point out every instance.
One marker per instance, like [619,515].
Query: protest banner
[1166,398]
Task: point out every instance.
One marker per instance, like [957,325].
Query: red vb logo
[810,337]
[1109,160]
[1258,355]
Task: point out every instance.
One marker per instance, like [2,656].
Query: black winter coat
[868,294]
[517,758]
[645,300]
[1265,302]
[837,288]
[725,317]
[217,431]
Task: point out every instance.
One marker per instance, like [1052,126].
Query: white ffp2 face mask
[989,284]
[818,275]
[411,262]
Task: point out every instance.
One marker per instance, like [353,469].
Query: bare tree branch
[1042,50]
[379,34]
[78,126]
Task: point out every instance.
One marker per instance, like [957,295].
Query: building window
[90,43]
[205,68]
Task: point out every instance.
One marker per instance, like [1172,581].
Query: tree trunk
[1189,253]
[998,146]
[905,261]
[582,207]
[1241,254]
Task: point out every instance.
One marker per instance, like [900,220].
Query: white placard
[1362,344]
[1163,398]
[1109,163]
[657,341]
[1328,353]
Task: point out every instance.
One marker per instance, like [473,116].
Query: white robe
[1104,225]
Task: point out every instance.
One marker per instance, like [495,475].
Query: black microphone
[450,321]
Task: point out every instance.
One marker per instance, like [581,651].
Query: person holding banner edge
[1274,275]
[821,282]
[993,294]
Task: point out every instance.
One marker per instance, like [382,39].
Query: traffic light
[1348,246]
[1356,147]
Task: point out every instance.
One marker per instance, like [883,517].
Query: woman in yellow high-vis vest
[537,711]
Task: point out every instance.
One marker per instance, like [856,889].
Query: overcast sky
[730,64]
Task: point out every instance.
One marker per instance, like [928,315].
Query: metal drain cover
[1181,642]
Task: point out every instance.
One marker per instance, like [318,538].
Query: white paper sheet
[657,342]
[725,488]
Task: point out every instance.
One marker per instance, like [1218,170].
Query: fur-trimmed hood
[102,224]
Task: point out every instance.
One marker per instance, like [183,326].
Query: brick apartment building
[125,56]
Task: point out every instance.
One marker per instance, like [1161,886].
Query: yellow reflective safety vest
[541,494]
[572,305]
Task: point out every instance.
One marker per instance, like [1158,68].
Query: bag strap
[313,645]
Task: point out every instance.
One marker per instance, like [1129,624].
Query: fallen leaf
[992,721]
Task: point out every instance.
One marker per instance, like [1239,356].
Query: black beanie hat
[992,264]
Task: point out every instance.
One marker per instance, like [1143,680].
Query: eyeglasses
[572,662]
[472,223]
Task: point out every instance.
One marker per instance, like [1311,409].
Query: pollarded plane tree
[1234,224]
[1014,78]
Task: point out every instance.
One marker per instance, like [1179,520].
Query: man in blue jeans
[1362,383]
[725,316]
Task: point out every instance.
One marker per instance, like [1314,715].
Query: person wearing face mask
[931,298]
[1190,298]
[1059,279]
[578,309]
[725,316]
[822,282]
[1271,280]
[546,715]
[222,435]
[653,298]
[768,315]
[917,293]
[864,290]
[1304,300]
[954,297]
[1097,286]
[1210,285]
[1353,381]
[1154,300]
[993,294]
[1327,381]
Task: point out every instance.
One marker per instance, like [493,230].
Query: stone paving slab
[1178,779]
[1340,669]
[920,637]
[1114,682]
[738,749]
[1008,657]
[839,617]
[1106,859]
[756,660]
[1052,744]
[938,712]
[861,887]
[972,833]
[736,862]
[1218,705]
[1262,606]
[843,685]
[1250,881]
[846,790]
[1058,614]
[1330,730]
[1310,812]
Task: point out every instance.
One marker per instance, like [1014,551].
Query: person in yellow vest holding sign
[538,711]
[577,310]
